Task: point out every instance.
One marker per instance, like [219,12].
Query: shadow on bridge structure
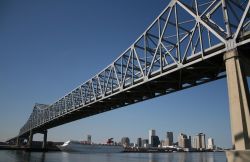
[191,42]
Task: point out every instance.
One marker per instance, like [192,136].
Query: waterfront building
[203,141]
[89,139]
[163,143]
[145,143]
[199,141]
[125,142]
[139,142]
[196,143]
[133,145]
[210,144]
[151,133]
[189,142]
[183,141]
[155,141]
[169,139]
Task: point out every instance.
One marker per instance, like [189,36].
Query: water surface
[22,156]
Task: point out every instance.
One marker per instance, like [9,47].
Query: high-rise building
[199,141]
[125,142]
[183,141]
[145,143]
[210,144]
[155,141]
[139,142]
[163,143]
[151,133]
[169,139]
[196,143]
[89,139]
[189,142]
[203,141]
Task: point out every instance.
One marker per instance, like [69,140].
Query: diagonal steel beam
[200,20]
[242,21]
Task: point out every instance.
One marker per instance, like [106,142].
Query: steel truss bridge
[185,46]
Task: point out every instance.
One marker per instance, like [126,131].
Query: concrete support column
[239,108]
[30,138]
[44,139]
[238,100]
[17,141]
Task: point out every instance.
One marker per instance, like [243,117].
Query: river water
[21,156]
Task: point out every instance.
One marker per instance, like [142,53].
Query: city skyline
[45,57]
[197,141]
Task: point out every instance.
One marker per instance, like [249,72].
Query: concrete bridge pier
[30,139]
[17,141]
[239,107]
[44,146]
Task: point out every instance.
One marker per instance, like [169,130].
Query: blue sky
[47,48]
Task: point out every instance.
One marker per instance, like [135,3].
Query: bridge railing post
[239,107]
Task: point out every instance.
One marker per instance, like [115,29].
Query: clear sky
[47,48]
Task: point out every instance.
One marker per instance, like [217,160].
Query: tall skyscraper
[189,142]
[145,143]
[183,141]
[203,141]
[210,144]
[89,139]
[139,142]
[151,133]
[196,143]
[169,139]
[155,141]
[199,141]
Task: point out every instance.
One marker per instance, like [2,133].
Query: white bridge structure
[191,42]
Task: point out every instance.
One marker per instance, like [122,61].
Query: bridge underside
[204,71]
[179,80]
[197,74]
